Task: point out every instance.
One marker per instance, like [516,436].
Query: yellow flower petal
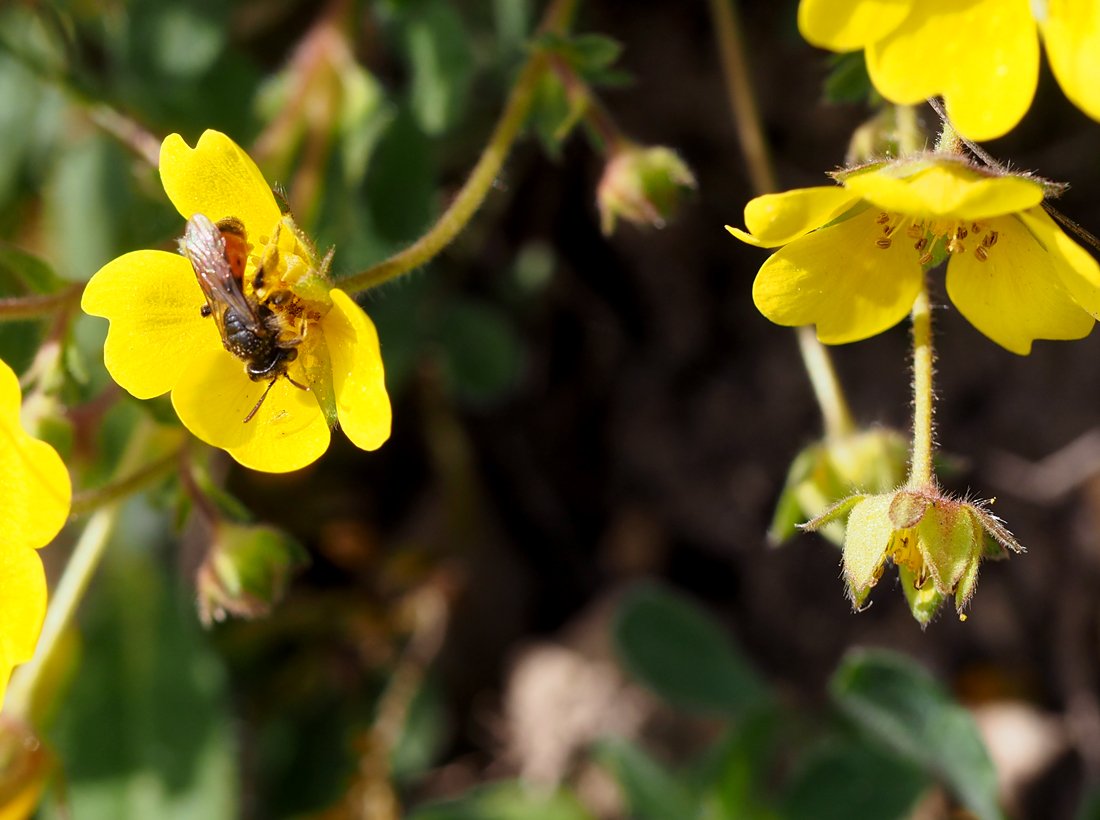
[1016,295]
[982,56]
[776,219]
[1071,33]
[23,592]
[218,179]
[215,395]
[358,378]
[154,304]
[947,189]
[839,280]
[35,490]
[841,25]
[1075,266]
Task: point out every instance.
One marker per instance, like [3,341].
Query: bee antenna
[256,407]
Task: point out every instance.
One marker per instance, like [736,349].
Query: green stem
[746,114]
[830,397]
[17,308]
[93,498]
[920,463]
[86,556]
[481,179]
[750,133]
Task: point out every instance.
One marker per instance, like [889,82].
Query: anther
[883,243]
[915,231]
[921,243]
[980,253]
[925,259]
[882,218]
[961,233]
[990,239]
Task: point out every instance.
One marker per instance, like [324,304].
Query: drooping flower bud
[937,543]
[246,571]
[867,461]
[642,185]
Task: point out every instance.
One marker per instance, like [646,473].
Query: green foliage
[902,707]
[505,801]
[678,652]
[146,730]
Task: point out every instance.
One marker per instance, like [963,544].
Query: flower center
[954,235]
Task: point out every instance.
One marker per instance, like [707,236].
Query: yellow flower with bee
[260,352]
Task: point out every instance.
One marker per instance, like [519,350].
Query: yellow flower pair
[981,56]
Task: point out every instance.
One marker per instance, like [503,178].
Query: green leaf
[505,801]
[676,650]
[844,778]
[442,65]
[145,731]
[421,742]
[22,274]
[651,791]
[902,707]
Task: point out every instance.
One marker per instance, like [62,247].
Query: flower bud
[868,461]
[937,543]
[642,185]
[246,571]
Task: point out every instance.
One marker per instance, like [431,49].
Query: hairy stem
[480,181]
[16,308]
[920,462]
[830,397]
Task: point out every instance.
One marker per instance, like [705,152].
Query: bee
[250,329]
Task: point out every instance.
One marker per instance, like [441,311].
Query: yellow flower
[852,256]
[34,502]
[981,56]
[164,334]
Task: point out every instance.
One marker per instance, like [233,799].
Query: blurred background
[550,594]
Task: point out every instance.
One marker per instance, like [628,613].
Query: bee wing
[204,247]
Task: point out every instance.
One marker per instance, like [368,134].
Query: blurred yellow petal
[948,189]
[982,56]
[23,592]
[1015,296]
[361,399]
[154,304]
[1071,33]
[839,280]
[35,490]
[214,396]
[776,219]
[841,25]
[218,179]
[1075,267]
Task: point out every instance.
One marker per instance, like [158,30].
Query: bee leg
[256,407]
[299,386]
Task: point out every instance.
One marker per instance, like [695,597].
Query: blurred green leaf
[145,731]
[673,647]
[422,738]
[651,792]
[480,352]
[506,801]
[732,776]
[553,115]
[901,706]
[848,81]
[442,64]
[1089,809]
[401,181]
[513,24]
[841,779]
